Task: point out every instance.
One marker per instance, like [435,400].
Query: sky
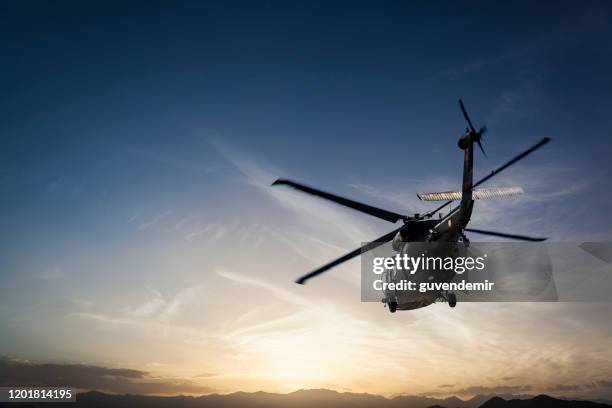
[142,240]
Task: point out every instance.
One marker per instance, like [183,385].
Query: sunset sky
[140,231]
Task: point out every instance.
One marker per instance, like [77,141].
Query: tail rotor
[476,136]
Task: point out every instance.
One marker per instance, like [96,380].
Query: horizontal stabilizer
[477,194]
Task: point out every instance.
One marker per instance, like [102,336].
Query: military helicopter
[450,228]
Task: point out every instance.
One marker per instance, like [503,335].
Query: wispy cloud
[53,273]
[273,289]
[481,62]
[309,216]
[170,160]
[155,220]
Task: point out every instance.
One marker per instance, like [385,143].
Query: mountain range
[319,398]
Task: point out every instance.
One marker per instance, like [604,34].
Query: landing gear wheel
[392,306]
[452,300]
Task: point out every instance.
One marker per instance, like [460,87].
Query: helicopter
[424,228]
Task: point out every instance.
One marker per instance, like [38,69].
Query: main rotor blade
[369,246]
[498,170]
[514,160]
[467,118]
[504,235]
[368,209]
[432,212]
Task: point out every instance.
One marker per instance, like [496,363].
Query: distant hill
[541,401]
[311,399]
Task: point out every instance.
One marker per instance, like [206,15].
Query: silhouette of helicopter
[422,227]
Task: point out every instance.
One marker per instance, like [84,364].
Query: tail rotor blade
[481,148]
[371,245]
[467,118]
[504,235]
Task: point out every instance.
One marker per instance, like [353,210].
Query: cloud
[604,383]
[565,387]
[190,219]
[156,308]
[53,273]
[150,308]
[304,208]
[336,230]
[156,316]
[206,375]
[92,377]
[478,63]
[155,220]
[276,290]
[198,233]
[503,389]
[169,160]
[507,106]
[56,184]
[559,38]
